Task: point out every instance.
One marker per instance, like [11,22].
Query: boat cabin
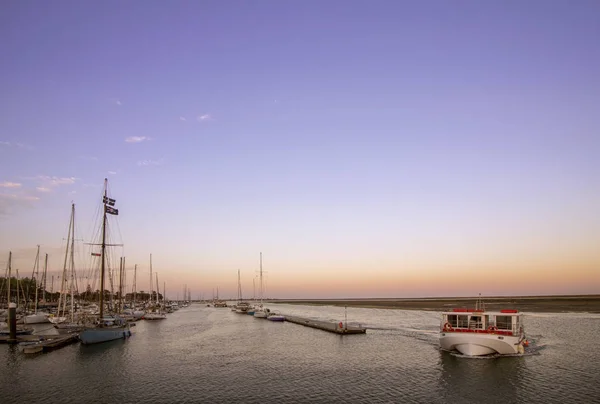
[504,322]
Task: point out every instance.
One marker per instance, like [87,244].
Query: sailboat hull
[39,318]
[98,335]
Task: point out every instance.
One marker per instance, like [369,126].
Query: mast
[151,287]
[37,272]
[103,258]
[165,295]
[9,275]
[261,281]
[72,225]
[62,297]
[134,285]
[120,284]
[44,281]
[157,293]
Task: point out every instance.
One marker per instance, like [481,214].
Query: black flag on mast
[109,201]
[112,211]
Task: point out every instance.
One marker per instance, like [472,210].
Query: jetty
[329,326]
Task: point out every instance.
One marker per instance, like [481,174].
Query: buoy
[526,343]
[341,325]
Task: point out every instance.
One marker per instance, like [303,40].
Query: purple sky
[383,139]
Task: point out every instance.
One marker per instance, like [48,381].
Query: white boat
[154,316]
[477,332]
[275,317]
[37,318]
[260,311]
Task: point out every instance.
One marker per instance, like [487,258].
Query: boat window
[475,322]
[504,322]
[452,319]
[463,321]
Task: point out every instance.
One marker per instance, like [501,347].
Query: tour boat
[477,332]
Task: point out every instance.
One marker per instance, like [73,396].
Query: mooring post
[12,322]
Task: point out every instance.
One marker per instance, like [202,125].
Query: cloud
[205,117]
[8,184]
[56,181]
[10,202]
[43,189]
[112,172]
[136,139]
[116,101]
[145,163]
[182,118]
[15,144]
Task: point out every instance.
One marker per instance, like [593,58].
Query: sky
[367,149]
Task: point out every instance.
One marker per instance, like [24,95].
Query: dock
[329,326]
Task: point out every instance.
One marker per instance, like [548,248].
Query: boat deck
[328,326]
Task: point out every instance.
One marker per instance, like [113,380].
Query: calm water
[210,355]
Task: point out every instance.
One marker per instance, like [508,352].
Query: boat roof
[510,312]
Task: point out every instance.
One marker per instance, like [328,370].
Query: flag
[96,254]
[109,201]
[112,211]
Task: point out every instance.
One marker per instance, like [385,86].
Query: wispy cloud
[43,189]
[205,117]
[10,202]
[8,184]
[18,145]
[56,181]
[112,172]
[136,139]
[182,118]
[116,101]
[145,163]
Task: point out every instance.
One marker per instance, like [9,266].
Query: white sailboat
[261,311]
[155,313]
[113,327]
[36,317]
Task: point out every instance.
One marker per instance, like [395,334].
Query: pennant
[112,211]
[109,201]
[96,254]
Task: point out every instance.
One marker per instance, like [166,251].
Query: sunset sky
[368,149]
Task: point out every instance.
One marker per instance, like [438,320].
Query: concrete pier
[329,326]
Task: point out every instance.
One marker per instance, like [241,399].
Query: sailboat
[260,311]
[36,317]
[107,328]
[155,313]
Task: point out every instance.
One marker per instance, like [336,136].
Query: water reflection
[480,379]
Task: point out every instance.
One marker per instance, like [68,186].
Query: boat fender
[447,327]
[492,328]
[341,325]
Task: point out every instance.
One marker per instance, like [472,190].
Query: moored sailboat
[107,328]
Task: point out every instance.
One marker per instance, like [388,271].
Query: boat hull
[479,344]
[276,318]
[36,319]
[260,314]
[104,334]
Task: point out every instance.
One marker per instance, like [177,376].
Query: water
[212,355]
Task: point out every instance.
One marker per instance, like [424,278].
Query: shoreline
[535,304]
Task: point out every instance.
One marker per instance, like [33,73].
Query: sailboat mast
[72,261]
[9,275]
[120,283]
[103,258]
[134,284]
[37,273]
[157,291]
[151,287]
[261,280]
[44,281]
